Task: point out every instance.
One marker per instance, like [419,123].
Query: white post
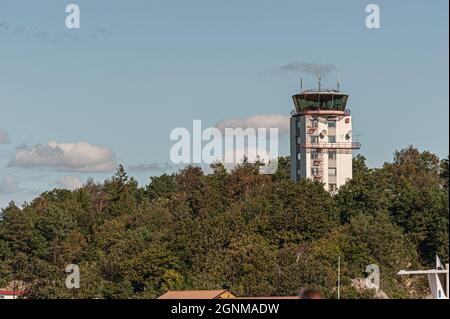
[339,277]
[447,280]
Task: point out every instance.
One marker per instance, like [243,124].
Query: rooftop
[197,294]
[212,294]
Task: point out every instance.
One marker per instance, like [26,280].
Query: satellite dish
[323,133]
[348,135]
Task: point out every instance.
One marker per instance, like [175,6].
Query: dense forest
[261,235]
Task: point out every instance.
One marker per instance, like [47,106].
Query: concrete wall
[293,138]
[343,161]
[344,157]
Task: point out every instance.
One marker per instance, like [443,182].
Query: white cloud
[76,157]
[70,182]
[307,67]
[144,167]
[4,138]
[8,185]
[274,120]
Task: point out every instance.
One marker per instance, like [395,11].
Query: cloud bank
[155,167]
[308,68]
[70,182]
[4,138]
[76,157]
[8,185]
[274,120]
[27,33]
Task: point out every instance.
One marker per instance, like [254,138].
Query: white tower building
[321,138]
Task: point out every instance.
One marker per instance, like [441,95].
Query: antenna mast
[319,80]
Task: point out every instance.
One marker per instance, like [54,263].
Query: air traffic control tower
[321,138]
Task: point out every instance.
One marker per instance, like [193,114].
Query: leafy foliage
[261,235]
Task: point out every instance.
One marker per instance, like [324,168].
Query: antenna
[338,83]
[301,84]
[319,80]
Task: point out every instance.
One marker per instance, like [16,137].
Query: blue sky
[137,69]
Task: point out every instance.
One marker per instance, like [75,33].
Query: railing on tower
[338,145]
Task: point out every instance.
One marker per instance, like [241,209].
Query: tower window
[314,155]
[314,139]
[314,171]
[315,124]
[331,123]
[332,155]
[332,188]
[332,171]
[331,139]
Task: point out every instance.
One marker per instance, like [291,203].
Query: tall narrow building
[321,138]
